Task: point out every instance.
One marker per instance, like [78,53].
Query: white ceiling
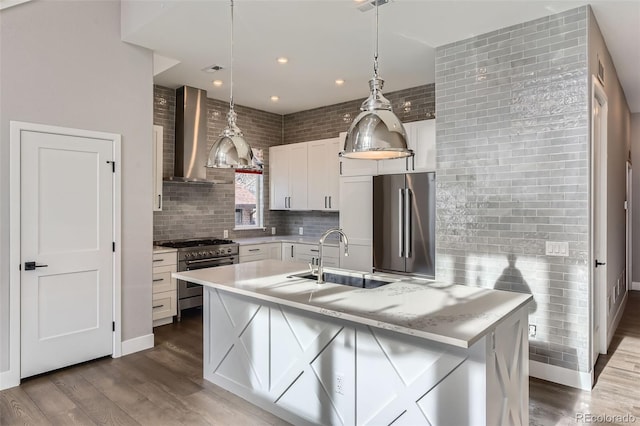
[329,39]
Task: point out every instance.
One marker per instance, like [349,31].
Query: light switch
[554,248]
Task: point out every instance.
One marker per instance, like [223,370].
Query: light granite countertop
[452,314]
[160,249]
[301,239]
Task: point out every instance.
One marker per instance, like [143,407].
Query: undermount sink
[359,281]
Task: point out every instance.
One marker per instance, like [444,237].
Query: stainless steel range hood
[191,137]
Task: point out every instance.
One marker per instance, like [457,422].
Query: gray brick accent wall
[194,210]
[414,104]
[512,167]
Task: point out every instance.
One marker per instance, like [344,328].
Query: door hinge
[113,326]
[113,165]
[113,246]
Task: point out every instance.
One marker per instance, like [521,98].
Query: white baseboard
[9,379]
[560,375]
[635,285]
[137,344]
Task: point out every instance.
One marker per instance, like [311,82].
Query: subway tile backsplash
[192,210]
[512,173]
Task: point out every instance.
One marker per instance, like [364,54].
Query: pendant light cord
[375,55]
[231,70]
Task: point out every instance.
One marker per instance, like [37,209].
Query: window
[248,209]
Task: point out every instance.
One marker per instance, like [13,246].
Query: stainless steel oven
[199,254]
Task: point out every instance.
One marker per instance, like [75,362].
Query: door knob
[600,263]
[30,266]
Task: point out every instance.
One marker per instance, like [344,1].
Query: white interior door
[600,303]
[67,230]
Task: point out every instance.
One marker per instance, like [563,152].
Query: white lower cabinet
[164,288]
[253,252]
[310,253]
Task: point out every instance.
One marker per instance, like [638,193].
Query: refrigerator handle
[401,235]
[408,200]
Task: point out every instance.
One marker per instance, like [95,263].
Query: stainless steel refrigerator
[404,223]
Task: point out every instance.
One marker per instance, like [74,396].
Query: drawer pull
[314,250]
[158,306]
[254,249]
[158,280]
[158,260]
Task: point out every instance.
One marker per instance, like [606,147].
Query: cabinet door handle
[329,201]
[325,201]
[157,306]
[292,251]
[157,280]
[159,201]
[341,167]
[254,249]
[314,250]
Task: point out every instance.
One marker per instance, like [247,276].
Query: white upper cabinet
[351,167]
[288,177]
[323,175]
[157,168]
[421,138]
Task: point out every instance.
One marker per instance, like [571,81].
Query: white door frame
[629,217]
[599,95]
[11,377]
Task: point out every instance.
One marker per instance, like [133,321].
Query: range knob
[203,253]
[211,253]
[187,255]
[228,250]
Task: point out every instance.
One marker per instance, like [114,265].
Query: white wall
[618,146]
[62,63]
[635,160]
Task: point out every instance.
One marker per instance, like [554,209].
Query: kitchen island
[411,352]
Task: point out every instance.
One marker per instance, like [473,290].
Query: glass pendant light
[376,133]
[231,150]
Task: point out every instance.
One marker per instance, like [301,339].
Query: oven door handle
[214,262]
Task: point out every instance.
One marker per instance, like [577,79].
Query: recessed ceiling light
[274,98]
[217,83]
[282,60]
[339,82]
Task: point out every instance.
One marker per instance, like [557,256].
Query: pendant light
[231,150]
[376,133]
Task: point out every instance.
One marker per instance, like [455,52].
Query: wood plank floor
[164,386]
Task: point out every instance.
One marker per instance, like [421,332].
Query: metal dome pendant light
[376,133]
[231,150]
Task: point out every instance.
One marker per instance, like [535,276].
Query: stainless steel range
[199,254]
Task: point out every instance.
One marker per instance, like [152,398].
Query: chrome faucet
[321,244]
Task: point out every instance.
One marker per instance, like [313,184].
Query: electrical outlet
[532,330]
[273,230]
[300,231]
[225,234]
[339,384]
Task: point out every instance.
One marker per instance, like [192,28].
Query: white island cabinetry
[413,352]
